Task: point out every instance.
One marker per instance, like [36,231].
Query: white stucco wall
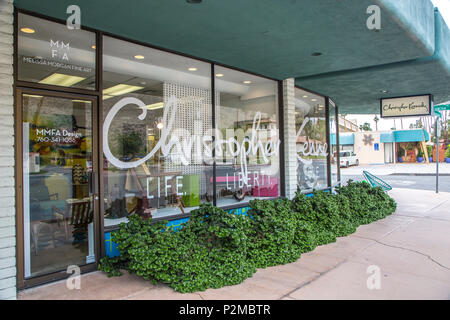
[366,151]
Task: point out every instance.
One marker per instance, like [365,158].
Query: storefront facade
[156,108]
[103,127]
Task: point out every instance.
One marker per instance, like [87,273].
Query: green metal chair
[376,182]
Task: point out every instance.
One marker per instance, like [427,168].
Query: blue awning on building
[387,137]
[344,139]
[411,135]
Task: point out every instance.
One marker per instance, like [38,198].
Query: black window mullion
[338,159]
[100,171]
[330,147]
[213,113]
[282,170]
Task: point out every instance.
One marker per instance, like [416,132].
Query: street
[409,181]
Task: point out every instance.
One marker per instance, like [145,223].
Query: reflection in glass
[247,149]
[57,175]
[312,147]
[50,53]
[157,154]
[333,139]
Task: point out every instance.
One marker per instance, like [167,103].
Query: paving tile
[379,229]
[161,292]
[430,237]
[282,279]
[343,247]
[244,291]
[417,202]
[441,212]
[349,281]
[318,263]
[94,285]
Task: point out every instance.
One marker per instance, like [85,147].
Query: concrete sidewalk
[398,169]
[410,248]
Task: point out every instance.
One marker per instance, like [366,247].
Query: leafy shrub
[305,236]
[346,223]
[430,151]
[210,251]
[271,233]
[215,248]
[367,204]
[322,218]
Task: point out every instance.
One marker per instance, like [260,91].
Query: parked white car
[348,158]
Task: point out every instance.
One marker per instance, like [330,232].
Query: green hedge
[216,249]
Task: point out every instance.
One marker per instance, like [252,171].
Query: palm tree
[376,119]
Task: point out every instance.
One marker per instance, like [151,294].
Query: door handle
[94,184]
[94,174]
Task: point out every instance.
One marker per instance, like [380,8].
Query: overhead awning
[344,139]
[387,137]
[411,135]
[325,45]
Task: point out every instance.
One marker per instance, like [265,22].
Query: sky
[387,124]
[444,9]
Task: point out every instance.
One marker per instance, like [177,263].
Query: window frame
[98,92]
[328,101]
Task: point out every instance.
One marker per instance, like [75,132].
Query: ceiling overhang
[360,90]
[278,39]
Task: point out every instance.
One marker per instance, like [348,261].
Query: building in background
[346,125]
[384,147]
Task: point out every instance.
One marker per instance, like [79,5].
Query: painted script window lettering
[311,143]
[247,137]
[157,132]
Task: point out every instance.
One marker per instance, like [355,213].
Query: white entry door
[389,153]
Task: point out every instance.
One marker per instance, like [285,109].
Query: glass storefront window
[58,209]
[157,132]
[247,149]
[312,147]
[50,53]
[333,139]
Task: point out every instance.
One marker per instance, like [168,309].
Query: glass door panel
[58,183]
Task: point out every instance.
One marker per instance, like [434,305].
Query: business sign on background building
[412,106]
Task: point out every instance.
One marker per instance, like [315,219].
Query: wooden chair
[78,214]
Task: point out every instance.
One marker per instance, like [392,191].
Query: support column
[7,185]
[290,156]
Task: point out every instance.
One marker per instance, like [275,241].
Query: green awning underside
[409,55]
